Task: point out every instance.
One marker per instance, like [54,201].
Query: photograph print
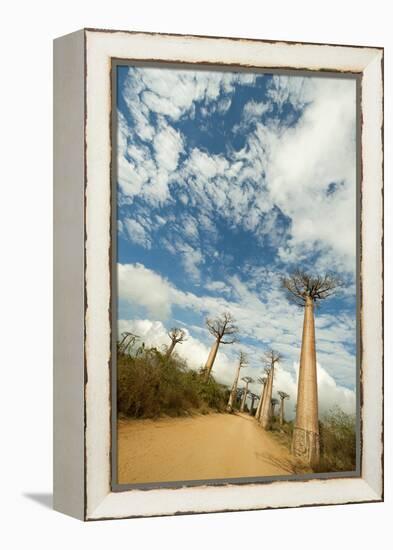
[235,310]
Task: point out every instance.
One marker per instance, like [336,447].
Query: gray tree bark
[170,348]
[305,441]
[282,412]
[232,395]
[266,410]
[259,408]
[210,360]
[243,403]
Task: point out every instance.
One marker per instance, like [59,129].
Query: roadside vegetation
[338,442]
[337,433]
[151,383]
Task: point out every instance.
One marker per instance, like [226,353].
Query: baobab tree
[232,396]
[261,380]
[177,336]
[223,329]
[126,342]
[267,373]
[247,380]
[270,359]
[239,395]
[274,403]
[283,396]
[253,396]
[305,291]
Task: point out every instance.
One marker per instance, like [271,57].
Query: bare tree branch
[127,341]
[270,358]
[177,335]
[223,326]
[243,360]
[300,285]
[283,395]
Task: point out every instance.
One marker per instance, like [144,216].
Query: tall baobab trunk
[210,360]
[266,409]
[282,412]
[243,404]
[247,380]
[283,397]
[253,397]
[261,398]
[224,331]
[305,442]
[274,405]
[171,348]
[232,395]
[305,290]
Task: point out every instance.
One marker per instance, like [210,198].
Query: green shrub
[337,432]
[150,384]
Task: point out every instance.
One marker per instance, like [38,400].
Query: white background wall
[25,313]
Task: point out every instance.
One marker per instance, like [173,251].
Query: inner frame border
[207,66]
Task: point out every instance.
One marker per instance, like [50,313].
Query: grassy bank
[337,432]
[150,385]
[338,442]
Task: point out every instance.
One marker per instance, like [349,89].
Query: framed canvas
[218,340]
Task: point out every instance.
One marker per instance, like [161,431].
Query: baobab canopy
[224,330]
[223,326]
[301,285]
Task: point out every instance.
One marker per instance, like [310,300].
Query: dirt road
[200,447]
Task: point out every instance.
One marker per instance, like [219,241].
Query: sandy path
[201,447]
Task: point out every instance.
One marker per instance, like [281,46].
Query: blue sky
[226,181]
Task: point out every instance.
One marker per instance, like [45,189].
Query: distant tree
[224,330]
[274,402]
[248,380]
[283,396]
[232,396]
[270,359]
[126,342]
[261,380]
[177,336]
[253,397]
[305,290]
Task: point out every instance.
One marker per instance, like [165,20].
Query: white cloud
[305,159]
[254,110]
[137,233]
[174,92]
[168,144]
[218,286]
[143,287]
[223,105]
[296,90]
[191,259]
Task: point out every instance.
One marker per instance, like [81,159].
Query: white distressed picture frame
[82,240]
